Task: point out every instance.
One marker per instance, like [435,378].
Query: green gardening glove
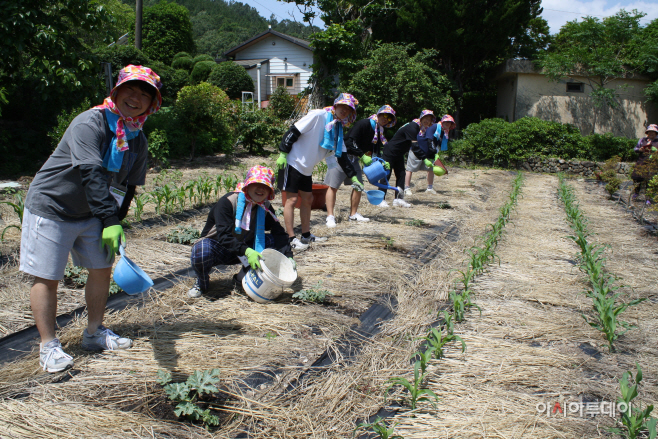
[356,184]
[428,163]
[282,161]
[387,166]
[436,157]
[111,238]
[367,160]
[294,264]
[253,256]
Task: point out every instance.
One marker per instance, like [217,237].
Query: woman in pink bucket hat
[76,202]
[644,149]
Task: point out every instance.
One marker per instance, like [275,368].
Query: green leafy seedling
[315,294]
[635,421]
[416,393]
[379,427]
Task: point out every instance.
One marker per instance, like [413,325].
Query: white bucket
[276,273]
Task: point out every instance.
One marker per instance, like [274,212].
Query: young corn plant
[637,422]
[18,205]
[416,393]
[437,342]
[379,427]
[218,185]
[181,196]
[158,198]
[188,393]
[140,202]
[170,195]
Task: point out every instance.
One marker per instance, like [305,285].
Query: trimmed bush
[183,63]
[281,103]
[182,55]
[203,57]
[232,78]
[201,71]
[605,146]
[121,56]
[258,129]
[172,81]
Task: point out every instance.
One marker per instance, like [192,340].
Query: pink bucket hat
[259,174]
[141,73]
[448,118]
[350,101]
[652,127]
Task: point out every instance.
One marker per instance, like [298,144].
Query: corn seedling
[218,185]
[437,342]
[158,198]
[416,393]
[423,357]
[140,201]
[389,242]
[190,192]
[19,207]
[188,393]
[170,195]
[181,195]
[379,427]
[636,421]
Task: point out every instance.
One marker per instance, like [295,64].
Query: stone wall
[553,165]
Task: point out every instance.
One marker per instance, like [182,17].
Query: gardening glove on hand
[387,166]
[282,161]
[367,160]
[294,264]
[436,157]
[428,163]
[112,237]
[253,256]
[356,184]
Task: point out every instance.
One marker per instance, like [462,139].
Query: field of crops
[507,305]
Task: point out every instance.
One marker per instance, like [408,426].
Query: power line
[577,13]
[274,13]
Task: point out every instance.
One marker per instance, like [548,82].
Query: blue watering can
[376,172]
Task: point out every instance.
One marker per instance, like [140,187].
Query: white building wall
[296,56]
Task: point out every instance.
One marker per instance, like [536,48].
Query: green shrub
[64,119]
[182,55]
[172,81]
[203,57]
[201,71]
[281,103]
[232,78]
[183,63]
[604,146]
[121,56]
[159,147]
[258,129]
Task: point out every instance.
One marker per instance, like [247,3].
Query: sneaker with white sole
[359,218]
[331,221]
[195,291]
[430,191]
[296,244]
[104,339]
[398,202]
[313,238]
[383,204]
[53,358]
[407,192]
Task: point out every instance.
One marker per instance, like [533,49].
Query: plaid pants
[207,253]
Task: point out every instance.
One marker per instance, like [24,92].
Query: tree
[166,31]
[232,78]
[390,75]
[281,103]
[597,50]
[203,108]
[535,40]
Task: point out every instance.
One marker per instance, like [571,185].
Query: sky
[556,12]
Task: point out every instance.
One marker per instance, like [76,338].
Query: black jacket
[399,145]
[222,216]
[359,139]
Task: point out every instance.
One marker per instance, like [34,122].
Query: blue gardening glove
[253,256]
[428,163]
[111,238]
[282,161]
[387,166]
[294,264]
[367,160]
[356,184]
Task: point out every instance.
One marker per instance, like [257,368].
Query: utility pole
[138,24]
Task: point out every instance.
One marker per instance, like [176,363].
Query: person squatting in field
[316,136]
[364,141]
[76,202]
[645,147]
[236,227]
[426,151]
[399,145]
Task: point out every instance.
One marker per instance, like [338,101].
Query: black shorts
[291,180]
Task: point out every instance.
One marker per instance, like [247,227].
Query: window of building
[287,82]
[575,87]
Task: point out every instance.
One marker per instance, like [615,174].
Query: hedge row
[503,143]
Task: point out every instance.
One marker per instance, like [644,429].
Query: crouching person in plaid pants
[235,230]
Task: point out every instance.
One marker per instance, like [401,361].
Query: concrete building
[273,59]
[524,91]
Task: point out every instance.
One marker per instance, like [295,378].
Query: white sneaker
[383,204]
[359,218]
[407,192]
[430,191]
[104,339]
[195,291]
[313,238]
[296,244]
[400,203]
[53,358]
[331,221]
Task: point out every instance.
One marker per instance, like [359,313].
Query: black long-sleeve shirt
[359,139]
[222,216]
[399,145]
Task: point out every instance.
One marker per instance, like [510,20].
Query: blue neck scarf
[259,244]
[444,142]
[333,139]
[113,157]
